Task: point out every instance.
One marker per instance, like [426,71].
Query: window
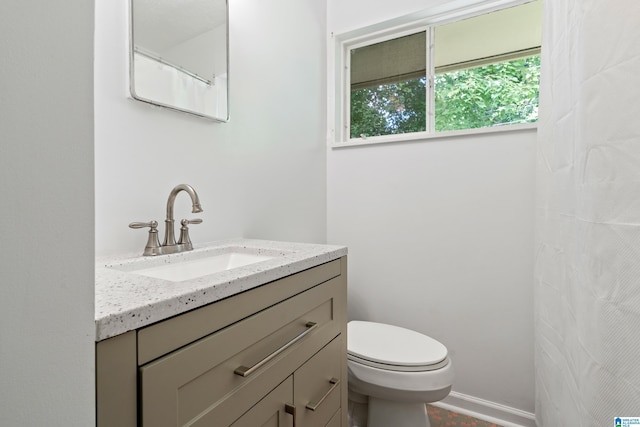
[388,87]
[453,74]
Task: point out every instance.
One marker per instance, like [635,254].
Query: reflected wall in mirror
[179,55]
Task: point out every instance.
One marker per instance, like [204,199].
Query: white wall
[46,214]
[262,175]
[440,237]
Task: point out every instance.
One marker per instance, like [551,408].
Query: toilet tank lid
[392,345]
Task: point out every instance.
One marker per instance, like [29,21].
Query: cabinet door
[336,420]
[318,387]
[271,411]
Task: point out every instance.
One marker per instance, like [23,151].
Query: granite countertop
[125,301]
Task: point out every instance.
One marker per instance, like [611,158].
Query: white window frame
[339,110]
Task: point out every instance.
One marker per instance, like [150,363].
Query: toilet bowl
[393,373]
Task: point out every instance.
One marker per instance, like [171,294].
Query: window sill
[424,136]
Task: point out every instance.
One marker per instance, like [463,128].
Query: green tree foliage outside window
[389,109]
[495,94]
[491,95]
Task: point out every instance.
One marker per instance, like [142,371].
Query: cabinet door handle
[313,406]
[245,371]
[291,410]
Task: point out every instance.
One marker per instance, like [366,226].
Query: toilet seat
[393,348]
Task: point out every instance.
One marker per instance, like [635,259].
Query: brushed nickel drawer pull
[313,406]
[245,371]
[291,410]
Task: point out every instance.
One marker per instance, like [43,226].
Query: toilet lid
[392,347]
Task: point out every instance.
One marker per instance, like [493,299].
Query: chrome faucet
[169,246]
[169,235]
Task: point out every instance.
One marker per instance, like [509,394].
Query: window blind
[391,61]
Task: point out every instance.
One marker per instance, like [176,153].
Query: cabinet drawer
[164,337]
[317,386]
[198,384]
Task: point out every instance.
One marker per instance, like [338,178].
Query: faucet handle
[152,224]
[153,243]
[184,232]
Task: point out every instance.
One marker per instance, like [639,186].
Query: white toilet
[393,372]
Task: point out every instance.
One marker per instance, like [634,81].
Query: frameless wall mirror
[179,55]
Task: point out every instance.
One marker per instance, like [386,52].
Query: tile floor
[442,418]
[438,417]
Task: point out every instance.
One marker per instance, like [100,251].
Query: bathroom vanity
[261,344]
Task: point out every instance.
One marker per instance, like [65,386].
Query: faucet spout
[169,235]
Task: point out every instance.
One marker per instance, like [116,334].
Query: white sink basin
[191,269]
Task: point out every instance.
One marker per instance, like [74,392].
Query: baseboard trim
[486,410]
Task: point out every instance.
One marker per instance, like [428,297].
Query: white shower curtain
[587,274]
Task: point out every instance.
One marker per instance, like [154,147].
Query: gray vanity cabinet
[273,355]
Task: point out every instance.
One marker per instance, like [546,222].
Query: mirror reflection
[178,55]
